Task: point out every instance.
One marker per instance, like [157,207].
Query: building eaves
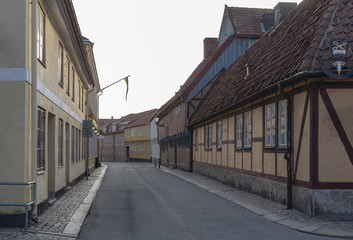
[143,119]
[79,38]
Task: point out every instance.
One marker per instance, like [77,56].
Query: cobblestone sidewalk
[52,223]
[268,209]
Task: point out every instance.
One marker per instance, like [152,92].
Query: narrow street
[137,201]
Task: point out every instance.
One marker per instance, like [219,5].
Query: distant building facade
[155,149]
[115,147]
[137,138]
[240,28]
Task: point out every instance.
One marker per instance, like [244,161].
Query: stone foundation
[313,202]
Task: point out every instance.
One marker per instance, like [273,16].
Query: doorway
[67,152]
[51,155]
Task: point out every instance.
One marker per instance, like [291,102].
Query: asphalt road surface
[137,201]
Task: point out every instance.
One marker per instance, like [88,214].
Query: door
[67,152]
[52,143]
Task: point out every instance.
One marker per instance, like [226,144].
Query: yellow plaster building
[45,74]
[137,138]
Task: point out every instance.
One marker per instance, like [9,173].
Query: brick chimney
[281,10]
[209,44]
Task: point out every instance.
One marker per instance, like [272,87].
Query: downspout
[34,101]
[288,153]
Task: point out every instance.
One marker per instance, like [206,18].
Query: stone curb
[73,227]
[295,225]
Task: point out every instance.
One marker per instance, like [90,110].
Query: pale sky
[157,42]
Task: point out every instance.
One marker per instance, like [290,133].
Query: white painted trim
[15,74]
[52,97]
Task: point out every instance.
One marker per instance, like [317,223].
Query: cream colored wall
[14,34]
[14,104]
[257,132]
[303,172]
[14,144]
[334,162]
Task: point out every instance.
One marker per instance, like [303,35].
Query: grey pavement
[63,220]
[275,212]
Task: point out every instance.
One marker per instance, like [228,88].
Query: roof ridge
[250,8]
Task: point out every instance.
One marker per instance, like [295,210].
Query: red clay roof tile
[246,21]
[296,45]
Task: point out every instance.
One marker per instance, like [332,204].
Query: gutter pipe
[288,153]
[34,100]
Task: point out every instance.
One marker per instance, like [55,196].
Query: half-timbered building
[278,122]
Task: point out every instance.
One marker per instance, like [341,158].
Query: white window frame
[282,123]
[247,129]
[206,137]
[140,131]
[239,131]
[270,125]
[132,132]
[61,65]
[210,136]
[141,147]
[40,34]
[219,135]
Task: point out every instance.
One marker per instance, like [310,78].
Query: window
[148,130]
[77,145]
[127,132]
[114,128]
[247,129]
[140,131]
[282,123]
[206,137]
[196,139]
[270,125]
[41,140]
[219,135]
[72,144]
[60,142]
[148,147]
[82,99]
[73,84]
[210,136]
[61,65]
[141,147]
[132,132]
[239,131]
[79,94]
[67,74]
[40,34]
[133,147]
